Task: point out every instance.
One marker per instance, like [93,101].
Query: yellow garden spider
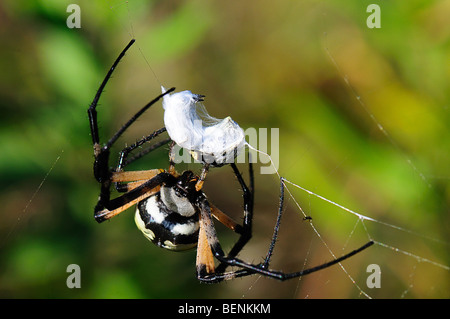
[171,211]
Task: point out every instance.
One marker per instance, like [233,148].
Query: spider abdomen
[164,227]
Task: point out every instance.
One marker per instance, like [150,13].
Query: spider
[171,212]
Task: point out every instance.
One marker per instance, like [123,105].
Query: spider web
[362,220]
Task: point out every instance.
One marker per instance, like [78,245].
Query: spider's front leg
[102,172]
[103,175]
[136,177]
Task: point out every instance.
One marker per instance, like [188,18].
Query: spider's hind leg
[246,269]
[266,262]
[245,230]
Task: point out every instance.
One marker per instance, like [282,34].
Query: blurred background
[363,117]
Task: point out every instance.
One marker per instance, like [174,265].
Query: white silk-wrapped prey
[210,140]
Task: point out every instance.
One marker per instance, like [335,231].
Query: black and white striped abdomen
[168,228]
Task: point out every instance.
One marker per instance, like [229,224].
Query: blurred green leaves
[178,34]
[67,52]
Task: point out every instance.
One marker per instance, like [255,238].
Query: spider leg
[92,108]
[171,169]
[209,246]
[247,269]
[123,155]
[145,151]
[202,178]
[131,176]
[225,219]
[246,229]
[101,166]
[248,194]
[126,181]
[205,259]
[102,172]
[105,214]
[265,264]
[107,209]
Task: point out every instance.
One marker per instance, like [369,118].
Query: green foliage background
[313,69]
